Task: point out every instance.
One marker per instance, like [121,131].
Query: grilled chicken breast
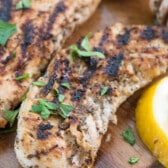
[41,30]
[134,56]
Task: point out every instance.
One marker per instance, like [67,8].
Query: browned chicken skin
[134,56]
[41,30]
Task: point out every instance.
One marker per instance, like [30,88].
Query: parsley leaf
[85,43]
[43,108]
[133,160]
[66,85]
[86,53]
[45,113]
[61,97]
[24,76]
[104,90]
[87,49]
[38,83]
[65,110]
[128,136]
[6,30]
[49,105]
[23,4]
[10,116]
[37,108]
[13,54]
[4,131]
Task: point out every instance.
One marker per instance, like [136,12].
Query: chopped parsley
[65,85]
[46,108]
[133,160]
[104,90]
[6,30]
[13,54]
[38,83]
[128,136]
[85,42]
[65,110]
[86,49]
[23,4]
[24,76]
[10,116]
[61,97]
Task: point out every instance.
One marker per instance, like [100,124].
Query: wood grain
[116,152]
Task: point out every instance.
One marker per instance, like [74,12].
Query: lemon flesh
[152,119]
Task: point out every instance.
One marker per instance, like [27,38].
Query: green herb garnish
[6,131]
[23,4]
[13,54]
[61,97]
[85,43]
[122,62]
[86,52]
[104,90]
[38,83]
[10,116]
[6,30]
[44,108]
[66,85]
[128,136]
[65,110]
[133,160]
[24,76]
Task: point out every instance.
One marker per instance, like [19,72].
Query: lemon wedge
[152,119]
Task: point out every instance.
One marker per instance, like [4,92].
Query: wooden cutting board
[116,152]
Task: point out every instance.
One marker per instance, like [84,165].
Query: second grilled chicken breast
[41,30]
[92,89]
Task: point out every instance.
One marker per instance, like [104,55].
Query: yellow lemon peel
[152,119]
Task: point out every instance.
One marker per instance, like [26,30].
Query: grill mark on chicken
[66,71]
[89,72]
[103,39]
[60,8]
[42,131]
[50,84]
[28,29]
[77,94]
[124,38]
[124,70]
[164,36]
[52,79]
[6,60]
[33,53]
[148,33]
[113,65]
[5,9]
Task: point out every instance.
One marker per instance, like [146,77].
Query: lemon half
[152,119]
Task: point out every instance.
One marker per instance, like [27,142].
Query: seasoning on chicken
[101,72]
[42,29]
